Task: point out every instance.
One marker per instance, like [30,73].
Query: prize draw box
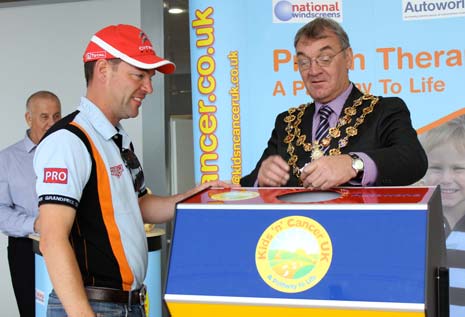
[296,252]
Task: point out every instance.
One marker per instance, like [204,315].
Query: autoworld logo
[432,9]
[299,11]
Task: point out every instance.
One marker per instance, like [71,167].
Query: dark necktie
[323,127]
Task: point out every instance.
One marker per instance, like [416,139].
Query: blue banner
[243,71]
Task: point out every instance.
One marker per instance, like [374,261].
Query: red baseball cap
[128,43]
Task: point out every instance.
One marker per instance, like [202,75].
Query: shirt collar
[338,103]
[101,124]
[28,144]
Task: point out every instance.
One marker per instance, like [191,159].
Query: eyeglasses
[322,60]
[134,167]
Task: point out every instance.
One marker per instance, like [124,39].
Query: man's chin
[319,95]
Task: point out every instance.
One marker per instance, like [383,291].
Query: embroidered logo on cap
[145,47]
[56,175]
[143,37]
[116,170]
[96,55]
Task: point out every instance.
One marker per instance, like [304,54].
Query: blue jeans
[101,309]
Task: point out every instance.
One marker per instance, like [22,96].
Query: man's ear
[349,55]
[28,118]
[102,70]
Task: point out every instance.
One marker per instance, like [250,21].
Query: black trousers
[22,272]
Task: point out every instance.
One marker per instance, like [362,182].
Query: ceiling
[177,36]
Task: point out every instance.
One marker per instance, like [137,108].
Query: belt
[101,294]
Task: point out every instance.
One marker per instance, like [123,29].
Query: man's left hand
[327,172]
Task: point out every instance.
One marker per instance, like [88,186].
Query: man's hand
[216,183]
[37,224]
[328,172]
[273,172]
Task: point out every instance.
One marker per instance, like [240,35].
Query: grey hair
[316,29]
[41,94]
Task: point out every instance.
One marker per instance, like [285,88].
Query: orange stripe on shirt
[108,214]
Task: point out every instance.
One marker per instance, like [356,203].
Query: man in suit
[343,137]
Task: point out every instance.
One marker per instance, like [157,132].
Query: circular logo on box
[293,254]
[234,195]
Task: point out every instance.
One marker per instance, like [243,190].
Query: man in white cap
[92,196]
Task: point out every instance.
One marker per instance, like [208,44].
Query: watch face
[357,164]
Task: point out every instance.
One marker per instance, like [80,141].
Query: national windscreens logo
[432,9]
[293,254]
[298,11]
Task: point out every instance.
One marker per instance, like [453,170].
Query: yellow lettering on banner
[208,142]
[202,27]
[204,159]
[205,68]
[203,23]
[207,123]
[209,177]
[234,92]
[205,109]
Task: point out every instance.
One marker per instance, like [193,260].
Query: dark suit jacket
[386,136]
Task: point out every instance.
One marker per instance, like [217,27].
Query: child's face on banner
[447,168]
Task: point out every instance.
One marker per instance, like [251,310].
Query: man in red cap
[92,196]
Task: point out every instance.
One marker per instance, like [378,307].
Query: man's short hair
[317,28]
[41,94]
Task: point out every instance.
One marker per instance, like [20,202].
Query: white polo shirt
[108,235]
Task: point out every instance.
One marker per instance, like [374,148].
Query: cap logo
[143,37]
[96,55]
[145,48]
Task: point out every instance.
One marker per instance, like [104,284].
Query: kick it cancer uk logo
[300,11]
[293,254]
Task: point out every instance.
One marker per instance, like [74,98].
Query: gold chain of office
[316,148]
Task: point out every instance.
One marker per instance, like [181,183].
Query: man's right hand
[273,172]
[37,224]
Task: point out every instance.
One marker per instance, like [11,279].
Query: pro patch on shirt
[55,175]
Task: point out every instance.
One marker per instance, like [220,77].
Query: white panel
[181,154]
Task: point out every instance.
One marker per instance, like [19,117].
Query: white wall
[41,48]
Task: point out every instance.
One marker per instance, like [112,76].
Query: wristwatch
[357,163]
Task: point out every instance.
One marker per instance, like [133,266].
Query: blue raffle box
[296,252]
